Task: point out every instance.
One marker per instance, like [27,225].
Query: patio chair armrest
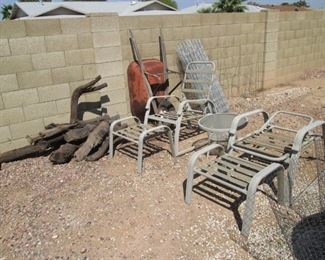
[310,118]
[149,101]
[255,181]
[190,101]
[154,129]
[116,122]
[302,133]
[200,152]
[289,113]
[237,119]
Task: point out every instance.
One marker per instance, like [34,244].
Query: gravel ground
[104,210]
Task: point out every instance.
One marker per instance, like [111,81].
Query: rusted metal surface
[138,93]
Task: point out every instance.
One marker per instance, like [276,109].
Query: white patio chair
[138,133]
[270,150]
[192,105]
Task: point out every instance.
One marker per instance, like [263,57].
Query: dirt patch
[104,210]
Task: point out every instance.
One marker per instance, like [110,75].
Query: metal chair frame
[273,150]
[238,174]
[185,114]
[288,151]
[138,134]
[245,176]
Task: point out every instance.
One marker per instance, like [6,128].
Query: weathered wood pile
[79,139]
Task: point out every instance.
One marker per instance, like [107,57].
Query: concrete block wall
[270,48]
[43,61]
[301,43]
[234,41]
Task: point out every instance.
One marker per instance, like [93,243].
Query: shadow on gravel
[308,237]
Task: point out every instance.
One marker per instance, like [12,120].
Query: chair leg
[176,138]
[293,166]
[190,177]
[283,188]
[251,192]
[189,187]
[111,144]
[249,210]
[171,143]
[140,153]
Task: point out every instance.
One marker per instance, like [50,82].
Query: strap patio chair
[192,105]
[275,143]
[235,172]
[272,141]
[249,160]
[138,133]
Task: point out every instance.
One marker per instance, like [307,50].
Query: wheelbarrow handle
[174,88]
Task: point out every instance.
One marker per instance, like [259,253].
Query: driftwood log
[64,154]
[33,150]
[95,138]
[88,87]
[82,139]
[100,151]
[75,135]
[23,153]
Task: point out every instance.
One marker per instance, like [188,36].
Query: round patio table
[218,126]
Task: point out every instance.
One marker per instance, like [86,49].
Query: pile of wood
[82,140]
